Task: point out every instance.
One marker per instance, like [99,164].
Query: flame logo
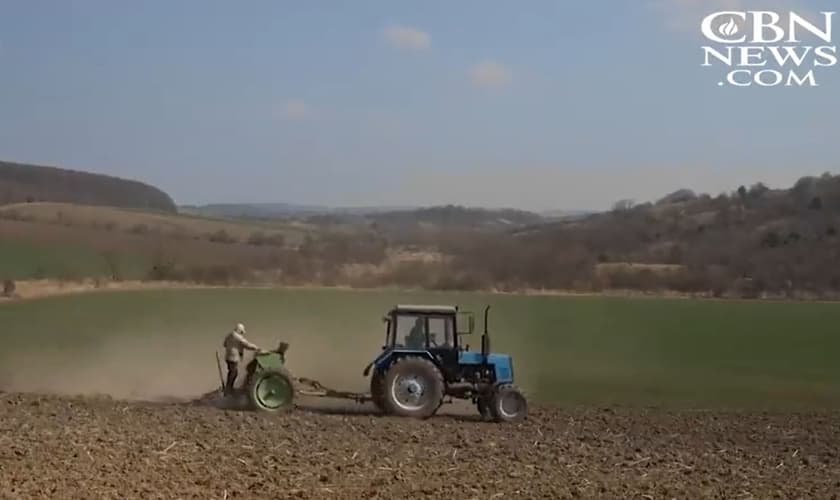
[728,29]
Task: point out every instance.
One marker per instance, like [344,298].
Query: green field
[20,260]
[567,350]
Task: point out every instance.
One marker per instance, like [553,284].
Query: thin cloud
[295,109]
[490,74]
[406,37]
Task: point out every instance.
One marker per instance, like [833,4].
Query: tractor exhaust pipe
[485,339]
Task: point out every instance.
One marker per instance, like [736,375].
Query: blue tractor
[423,362]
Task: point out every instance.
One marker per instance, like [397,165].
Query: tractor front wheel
[271,390]
[413,388]
[508,404]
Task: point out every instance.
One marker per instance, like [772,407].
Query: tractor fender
[376,362]
[384,360]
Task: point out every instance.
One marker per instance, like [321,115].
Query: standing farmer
[235,346]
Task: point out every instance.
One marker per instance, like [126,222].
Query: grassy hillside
[280,210]
[26,183]
[141,222]
[57,240]
[708,354]
[22,260]
[253,210]
[393,219]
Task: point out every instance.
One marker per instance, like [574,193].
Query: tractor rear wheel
[508,404]
[413,388]
[377,390]
[271,390]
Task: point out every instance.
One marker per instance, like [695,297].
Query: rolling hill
[22,183]
[753,241]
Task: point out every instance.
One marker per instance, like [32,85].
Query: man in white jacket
[235,346]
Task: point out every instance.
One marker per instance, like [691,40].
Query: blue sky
[536,104]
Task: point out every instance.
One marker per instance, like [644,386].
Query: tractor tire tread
[496,404]
[421,364]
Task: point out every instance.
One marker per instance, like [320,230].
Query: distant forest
[22,183]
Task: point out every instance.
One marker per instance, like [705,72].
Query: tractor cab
[426,327]
[435,330]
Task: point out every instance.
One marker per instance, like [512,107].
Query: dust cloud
[178,366]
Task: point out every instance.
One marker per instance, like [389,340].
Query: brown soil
[60,447]
[34,289]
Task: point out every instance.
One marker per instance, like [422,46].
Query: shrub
[771,239]
[221,236]
[10,214]
[9,288]
[139,229]
[112,260]
[218,275]
[259,238]
[165,271]
[277,240]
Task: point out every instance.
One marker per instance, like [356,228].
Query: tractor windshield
[440,332]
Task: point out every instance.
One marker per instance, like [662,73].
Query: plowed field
[64,447]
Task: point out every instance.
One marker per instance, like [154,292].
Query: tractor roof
[421,309]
